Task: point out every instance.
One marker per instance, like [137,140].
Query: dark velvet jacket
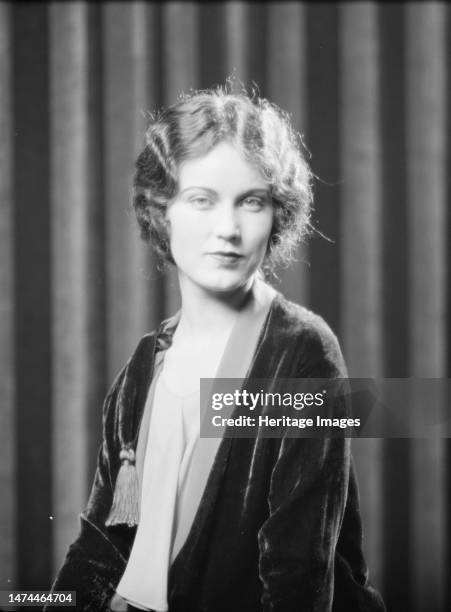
[278,527]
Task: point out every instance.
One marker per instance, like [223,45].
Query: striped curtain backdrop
[368,85]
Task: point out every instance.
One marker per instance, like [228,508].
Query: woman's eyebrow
[256,191]
[199,187]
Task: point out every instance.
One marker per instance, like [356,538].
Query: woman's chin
[227,286]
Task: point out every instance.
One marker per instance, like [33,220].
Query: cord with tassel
[125,507]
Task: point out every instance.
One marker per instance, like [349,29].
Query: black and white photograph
[225,298]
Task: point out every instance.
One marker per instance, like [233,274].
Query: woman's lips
[226,258]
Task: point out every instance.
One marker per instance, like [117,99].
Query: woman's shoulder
[141,357]
[296,319]
[294,323]
[135,367]
[157,340]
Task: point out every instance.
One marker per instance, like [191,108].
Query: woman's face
[220,221]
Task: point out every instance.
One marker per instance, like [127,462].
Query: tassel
[125,507]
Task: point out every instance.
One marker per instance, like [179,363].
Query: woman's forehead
[223,167]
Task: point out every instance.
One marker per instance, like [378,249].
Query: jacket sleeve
[307,498]
[95,562]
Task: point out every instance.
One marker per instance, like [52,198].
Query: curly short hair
[259,129]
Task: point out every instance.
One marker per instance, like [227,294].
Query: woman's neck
[203,312]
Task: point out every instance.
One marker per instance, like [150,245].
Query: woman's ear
[272,241]
[167,226]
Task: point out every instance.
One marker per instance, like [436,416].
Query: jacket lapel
[185,563]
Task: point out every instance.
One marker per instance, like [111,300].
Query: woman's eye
[253,204]
[200,202]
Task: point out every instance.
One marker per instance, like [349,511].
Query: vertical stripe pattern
[425,117]
[7,403]
[360,238]
[368,86]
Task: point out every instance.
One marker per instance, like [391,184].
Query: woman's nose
[227,222]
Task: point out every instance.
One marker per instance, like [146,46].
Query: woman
[181,523]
